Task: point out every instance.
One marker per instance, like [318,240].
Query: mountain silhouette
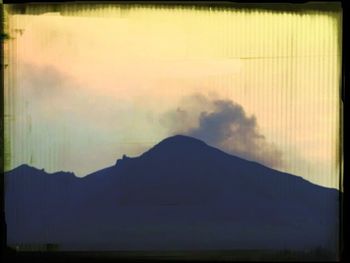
[181,194]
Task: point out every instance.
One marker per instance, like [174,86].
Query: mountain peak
[176,144]
[26,167]
[179,138]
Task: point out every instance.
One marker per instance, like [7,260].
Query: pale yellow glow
[282,67]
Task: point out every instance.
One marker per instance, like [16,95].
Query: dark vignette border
[21,7]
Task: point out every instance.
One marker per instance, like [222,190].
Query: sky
[85,86]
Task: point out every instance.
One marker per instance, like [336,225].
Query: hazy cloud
[224,124]
[61,124]
[44,81]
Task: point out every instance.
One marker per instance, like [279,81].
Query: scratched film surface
[85,84]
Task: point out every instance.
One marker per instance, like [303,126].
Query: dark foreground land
[182,199]
[161,256]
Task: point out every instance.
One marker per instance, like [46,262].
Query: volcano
[182,194]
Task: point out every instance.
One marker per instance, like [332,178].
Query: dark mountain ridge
[180,194]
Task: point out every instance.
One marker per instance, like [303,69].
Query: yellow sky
[123,70]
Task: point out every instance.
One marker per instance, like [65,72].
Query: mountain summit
[181,194]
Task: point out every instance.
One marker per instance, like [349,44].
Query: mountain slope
[181,194]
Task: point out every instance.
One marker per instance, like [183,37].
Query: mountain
[182,194]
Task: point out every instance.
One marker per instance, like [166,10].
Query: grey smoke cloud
[223,124]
